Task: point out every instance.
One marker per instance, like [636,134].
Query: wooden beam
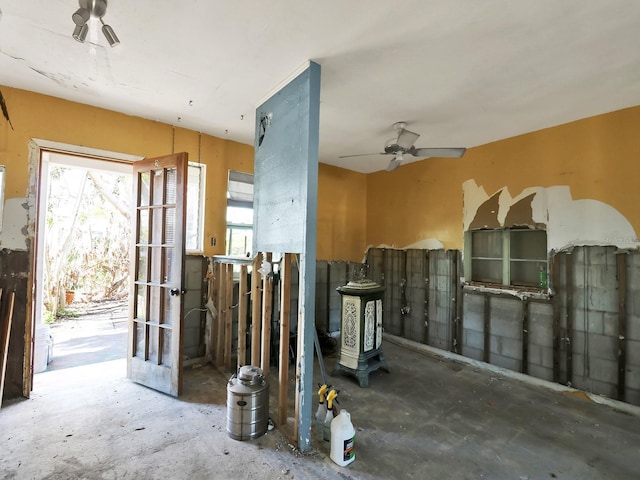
[255,310]
[426,268]
[525,336]
[570,314]
[554,267]
[243,301]
[267,301]
[622,323]
[285,313]
[228,319]
[486,353]
[6,316]
[222,316]
[214,286]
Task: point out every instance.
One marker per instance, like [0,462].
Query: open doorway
[83,248]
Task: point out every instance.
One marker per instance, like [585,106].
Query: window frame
[506,282]
[199,233]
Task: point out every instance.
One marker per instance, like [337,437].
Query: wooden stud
[486,354]
[222,316]
[426,268]
[285,312]
[267,301]
[255,309]
[243,300]
[6,315]
[570,314]
[554,267]
[459,303]
[622,323]
[214,288]
[525,336]
[328,319]
[228,319]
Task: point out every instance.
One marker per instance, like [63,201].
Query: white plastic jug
[343,437]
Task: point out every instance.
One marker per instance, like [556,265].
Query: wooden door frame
[37,147]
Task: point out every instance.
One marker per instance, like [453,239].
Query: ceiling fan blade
[406,139]
[362,155]
[438,152]
[394,163]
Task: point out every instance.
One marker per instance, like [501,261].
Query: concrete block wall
[441,295]
[594,339]
[632,371]
[473,326]
[505,333]
[583,311]
[540,336]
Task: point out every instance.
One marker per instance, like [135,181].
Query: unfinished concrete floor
[430,418]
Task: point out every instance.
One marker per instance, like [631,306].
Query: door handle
[177,291]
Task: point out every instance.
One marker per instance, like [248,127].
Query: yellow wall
[342,196]
[597,157]
[341,218]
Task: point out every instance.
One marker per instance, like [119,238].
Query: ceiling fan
[404,144]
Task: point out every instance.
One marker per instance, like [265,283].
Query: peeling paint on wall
[15,217]
[568,222]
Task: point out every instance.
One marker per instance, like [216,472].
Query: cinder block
[541,312]
[610,323]
[604,370]
[541,356]
[505,362]
[470,352]
[474,321]
[633,326]
[632,396]
[540,333]
[599,346]
[506,347]
[473,339]
[632,376]
[633,352]
[473,303]
[506,327]
[541,372]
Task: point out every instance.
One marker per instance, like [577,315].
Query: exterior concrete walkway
[97,334]
[430,418]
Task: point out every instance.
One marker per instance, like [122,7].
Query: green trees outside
[88,236]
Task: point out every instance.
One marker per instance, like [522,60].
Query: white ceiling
[462,73]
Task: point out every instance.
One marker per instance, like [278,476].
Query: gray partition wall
[285,204]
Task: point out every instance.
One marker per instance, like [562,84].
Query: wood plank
[570,314]
[285,313]
[222,316]
[214,286]
[486,353]
[622,324]
[554,268]
[228,320]
[6,315]
[426,268]
[525,336]
[256,308]
[243,304]
[267,301]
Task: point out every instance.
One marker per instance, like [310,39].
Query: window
[240,214]
[513,257]
[195,207]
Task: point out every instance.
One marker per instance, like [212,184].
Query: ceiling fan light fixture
[92,9]
[80,32]
[81,16]
[110,35]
